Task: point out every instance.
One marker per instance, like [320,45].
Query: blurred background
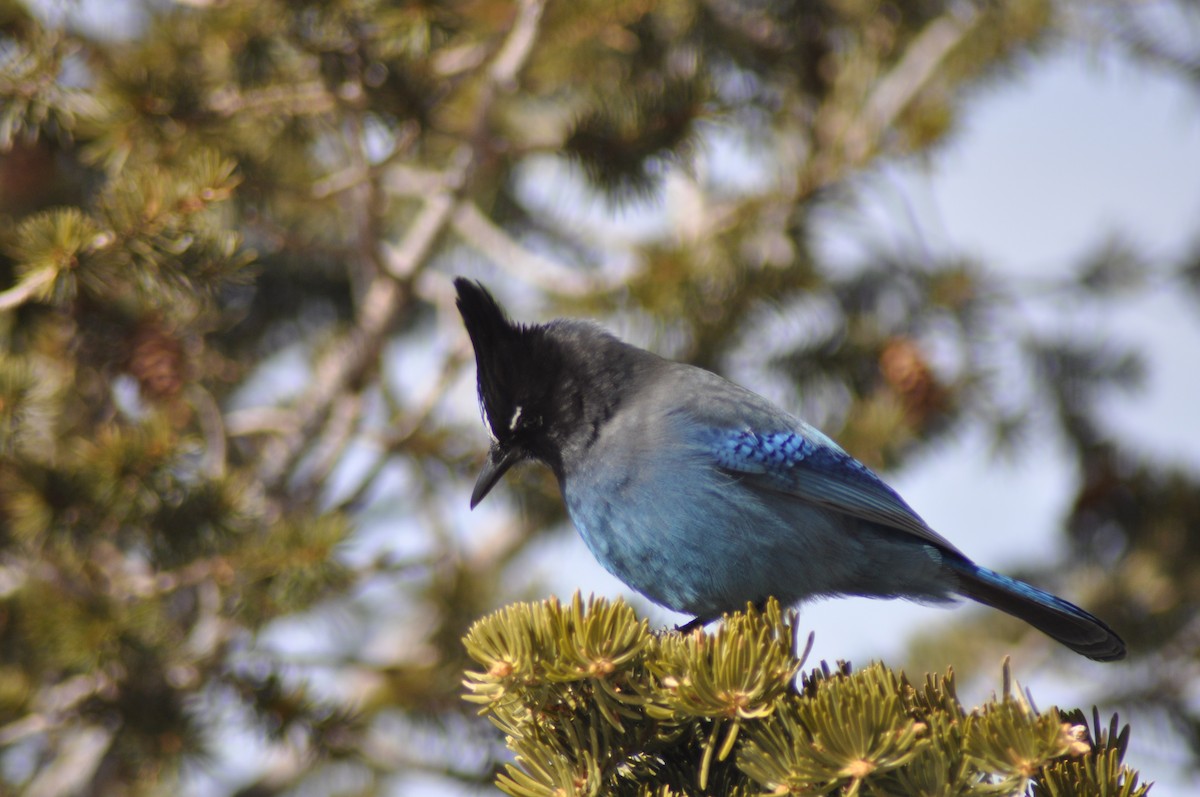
[238,426]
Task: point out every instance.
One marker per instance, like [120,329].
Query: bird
[704,496]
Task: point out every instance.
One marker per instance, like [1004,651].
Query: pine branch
[390,291]
[919,65]
[858,137]
[500,248]
[586,694]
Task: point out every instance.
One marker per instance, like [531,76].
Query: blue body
[704,496]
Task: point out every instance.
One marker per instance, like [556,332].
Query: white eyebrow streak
[512,424]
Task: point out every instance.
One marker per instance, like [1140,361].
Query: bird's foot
[692,625]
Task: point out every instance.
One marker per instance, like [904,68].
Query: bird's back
[654,504]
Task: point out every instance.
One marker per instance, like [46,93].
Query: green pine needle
[591,702]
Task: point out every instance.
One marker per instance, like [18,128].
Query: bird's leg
[692,625]
[700,622]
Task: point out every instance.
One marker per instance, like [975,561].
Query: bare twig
[305,99]
[517,46]
[359,172]
[345,363]
[404,179]
[27,288]
[861,134]
[339,431]
[72,768]
[209,415]
[499,247]
[402,261]
[417,416]
[52,704]
[894,92]
[260,420]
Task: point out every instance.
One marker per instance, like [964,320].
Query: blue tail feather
[1062,620]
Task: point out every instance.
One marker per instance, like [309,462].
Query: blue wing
[805,464]
[768,450]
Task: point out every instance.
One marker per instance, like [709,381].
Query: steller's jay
[704,496]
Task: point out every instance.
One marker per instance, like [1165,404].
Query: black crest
[515,365]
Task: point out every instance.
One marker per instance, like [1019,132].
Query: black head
[521,381]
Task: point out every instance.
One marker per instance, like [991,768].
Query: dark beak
[498,462]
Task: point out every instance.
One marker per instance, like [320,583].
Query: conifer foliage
[591,702]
